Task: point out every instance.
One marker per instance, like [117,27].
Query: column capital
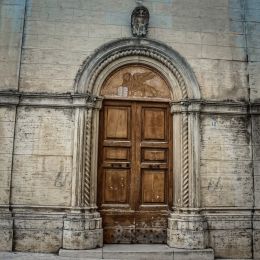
[184,106]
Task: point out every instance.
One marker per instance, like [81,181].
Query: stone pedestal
[82,231]
[187,231]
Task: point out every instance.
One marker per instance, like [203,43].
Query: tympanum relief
[136,81]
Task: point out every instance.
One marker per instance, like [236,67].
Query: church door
[135,171]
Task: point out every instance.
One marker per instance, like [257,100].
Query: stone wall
[42,157]
[253,52]
[42,45]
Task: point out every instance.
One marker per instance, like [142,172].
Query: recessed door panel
[153,186]
[117,122]
[135,179]
[116,154]
[116,186]
[153,123]
[154,155]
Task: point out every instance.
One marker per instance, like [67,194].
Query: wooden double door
[135,171]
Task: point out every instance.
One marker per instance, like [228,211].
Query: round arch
[117,53]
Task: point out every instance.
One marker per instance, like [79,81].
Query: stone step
[139,252]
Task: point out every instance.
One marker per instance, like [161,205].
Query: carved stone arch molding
[185,108]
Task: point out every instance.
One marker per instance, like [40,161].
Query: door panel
[134,171]
[154,155]
[117,123]
[116,154]
[153,186]
[153,126]
[116,185]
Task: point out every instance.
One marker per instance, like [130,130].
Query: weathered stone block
[38,232]
[6,232]
[38,240]
[228,221]
[7,118]
[43,157]
[199,254]
[256,235]
[231,243]
[256,244]
[11,24]
[187,231]
[86,239]
[94,253]
[186,239]
[82,231]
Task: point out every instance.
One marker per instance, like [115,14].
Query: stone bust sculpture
[139,21]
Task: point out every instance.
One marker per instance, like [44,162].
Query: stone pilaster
[83,225]
[187,228]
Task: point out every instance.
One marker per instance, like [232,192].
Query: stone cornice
[47,99]
[211,107]
[86,100]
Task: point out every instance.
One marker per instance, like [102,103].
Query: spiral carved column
[185,161]
[87,166]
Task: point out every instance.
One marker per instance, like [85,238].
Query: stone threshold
[139,252]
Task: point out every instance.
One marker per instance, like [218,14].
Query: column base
[187,231]
[82,231]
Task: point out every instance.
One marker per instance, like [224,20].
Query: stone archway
[185,108]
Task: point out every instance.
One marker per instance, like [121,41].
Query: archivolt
[122,50]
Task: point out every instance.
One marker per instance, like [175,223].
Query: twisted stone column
[87,166]
[185,161]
